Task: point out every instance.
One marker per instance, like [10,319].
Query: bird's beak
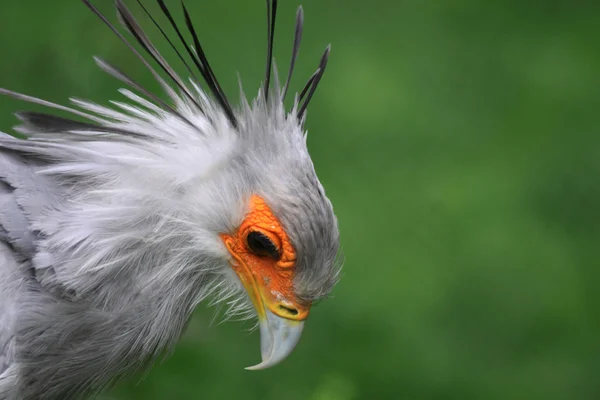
[278,337]
[281,317]
[269,282]
[281,321]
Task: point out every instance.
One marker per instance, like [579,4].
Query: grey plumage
[110,228]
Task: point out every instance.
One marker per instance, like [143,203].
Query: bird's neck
[120,271]
[74,349]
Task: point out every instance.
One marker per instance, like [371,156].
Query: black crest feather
[44,122]
[271,17]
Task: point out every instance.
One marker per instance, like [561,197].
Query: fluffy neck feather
[133,247]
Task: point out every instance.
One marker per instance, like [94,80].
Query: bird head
[283,246]
[179,201]
[277,228]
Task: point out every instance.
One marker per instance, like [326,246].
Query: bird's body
[113,230]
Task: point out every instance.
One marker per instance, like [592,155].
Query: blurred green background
[459,141]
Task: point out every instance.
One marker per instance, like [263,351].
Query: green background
[459,143]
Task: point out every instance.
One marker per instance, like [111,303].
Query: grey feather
[14,224]
[13,286]
[162,31]
[295,50]
[46,103]
[110,228]
[116,73]
[131,24]
[314,82]
[40,124]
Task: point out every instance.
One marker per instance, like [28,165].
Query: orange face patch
[264,260]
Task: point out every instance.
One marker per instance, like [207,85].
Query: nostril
[288,310]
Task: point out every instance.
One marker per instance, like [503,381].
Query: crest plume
[116,222]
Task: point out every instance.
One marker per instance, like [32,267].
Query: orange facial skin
[269,282]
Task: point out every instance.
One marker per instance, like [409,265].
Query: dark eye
[262,246]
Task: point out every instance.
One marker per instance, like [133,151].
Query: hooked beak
[278,337]
[281,320]
[281,324]
[265,267]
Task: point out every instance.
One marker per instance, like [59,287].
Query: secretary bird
[116,223]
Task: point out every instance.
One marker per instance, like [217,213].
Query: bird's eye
[262,246]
